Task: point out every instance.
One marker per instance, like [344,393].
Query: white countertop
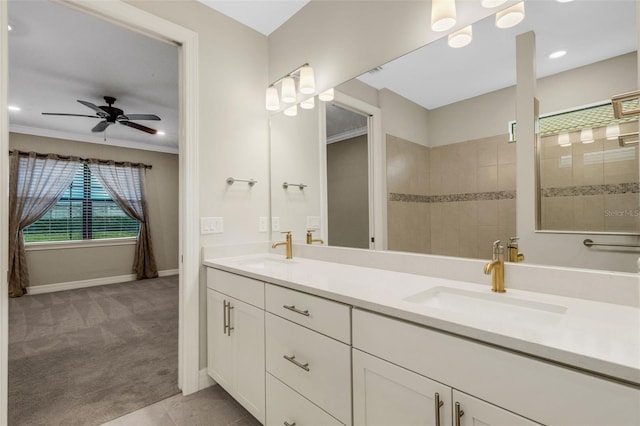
[600,337]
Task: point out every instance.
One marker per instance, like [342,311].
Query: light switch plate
[275,223]
[313,222]
[204,225]
[217,225]
[263,224]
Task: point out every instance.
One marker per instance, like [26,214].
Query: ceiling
[58,56]
[437,75]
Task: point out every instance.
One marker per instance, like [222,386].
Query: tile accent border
[607,189]
[448,198]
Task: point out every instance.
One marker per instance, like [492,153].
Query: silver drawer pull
[289,424]
[458,414]
[292,359]
[438,404]
[296,310]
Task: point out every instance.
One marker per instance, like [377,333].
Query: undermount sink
[266,262]
[489,307]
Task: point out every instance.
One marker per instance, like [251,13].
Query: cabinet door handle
[229,328]
[438,404]
[289,424]
[224,317]
[292,359]
[296,310]
[459,414]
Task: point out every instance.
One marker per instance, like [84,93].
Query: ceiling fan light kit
[112,115]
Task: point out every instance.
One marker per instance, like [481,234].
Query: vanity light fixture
[273,102]
[307,82]
[563,139]
[461,38]
[308,103]
[288,90]
[443,14]
[13,108]
[557,54]
[613,131]
[586,136]
[327,95]
[511,16]
[292,111]
[492,3]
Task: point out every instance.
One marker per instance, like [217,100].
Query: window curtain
[36,184]
[126,185]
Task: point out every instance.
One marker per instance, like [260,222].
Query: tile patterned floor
[209,407]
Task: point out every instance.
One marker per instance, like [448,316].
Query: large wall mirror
[448,134]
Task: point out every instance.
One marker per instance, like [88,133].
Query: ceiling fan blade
[140,117]
[96,108]
[70,115]
[139,127]
[101,126]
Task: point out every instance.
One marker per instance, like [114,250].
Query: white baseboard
[72,285]
[204,380]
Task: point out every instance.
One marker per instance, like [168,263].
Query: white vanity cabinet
[492,386]
[304,365]
[235,338]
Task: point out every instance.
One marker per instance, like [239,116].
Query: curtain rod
[82,160]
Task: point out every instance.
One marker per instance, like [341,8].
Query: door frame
[130,17]
[377,166]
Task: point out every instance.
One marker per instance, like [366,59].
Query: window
[85,212]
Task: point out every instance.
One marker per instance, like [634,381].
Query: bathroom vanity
[308,342]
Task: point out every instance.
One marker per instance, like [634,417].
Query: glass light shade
[492,3]
[511,16]
[613,131]
[308,103]
[586,136]
[563,139]
[292,111]
[273,103]
[307,82]
[326,96]
[461,37]
[288,90]
[443,14]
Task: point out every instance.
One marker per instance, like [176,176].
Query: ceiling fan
[111,115]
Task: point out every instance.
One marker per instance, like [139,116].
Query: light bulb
[511,16]
[443,14]
[563,139]
[326,96]
[307,82]
[492,3]
[613,131]
[272,101]
[288,90]
[308,103]
[292,111]
[586,136]
[461,38]
[557,54]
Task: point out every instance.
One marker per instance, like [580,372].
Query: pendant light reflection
[511,16]
[288,90]
[461,38]
[308,103]
[563,139]
[443,14]
[273,103]
[586,136]
[292,111]
[492,3]
[307,82]
[326,96]
[613,131]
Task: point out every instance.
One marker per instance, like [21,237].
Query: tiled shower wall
[452,200]
[590,187]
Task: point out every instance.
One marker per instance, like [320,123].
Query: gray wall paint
[76,264]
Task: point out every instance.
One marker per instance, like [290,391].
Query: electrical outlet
[217,225]
[264,224]
[275,223]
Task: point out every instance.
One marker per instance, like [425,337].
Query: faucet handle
[512,241]
[497,249]
[285,232]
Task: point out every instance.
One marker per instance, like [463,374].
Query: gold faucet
[289,250]
[310,239]
[512,250]
[496,268]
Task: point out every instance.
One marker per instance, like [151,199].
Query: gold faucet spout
[496,268]
[288,242]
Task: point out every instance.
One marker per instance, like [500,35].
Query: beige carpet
[83,357]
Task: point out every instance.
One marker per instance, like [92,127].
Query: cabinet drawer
[320,371]
[286,405]
[242,288]
[506,379]
[322,315]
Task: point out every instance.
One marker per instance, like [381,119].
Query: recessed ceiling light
[160,132]
[13,108]
[564,1]
[558,54]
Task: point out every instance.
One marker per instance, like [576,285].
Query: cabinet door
[247,335]
[387,395]
[219,345]
[477,412]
